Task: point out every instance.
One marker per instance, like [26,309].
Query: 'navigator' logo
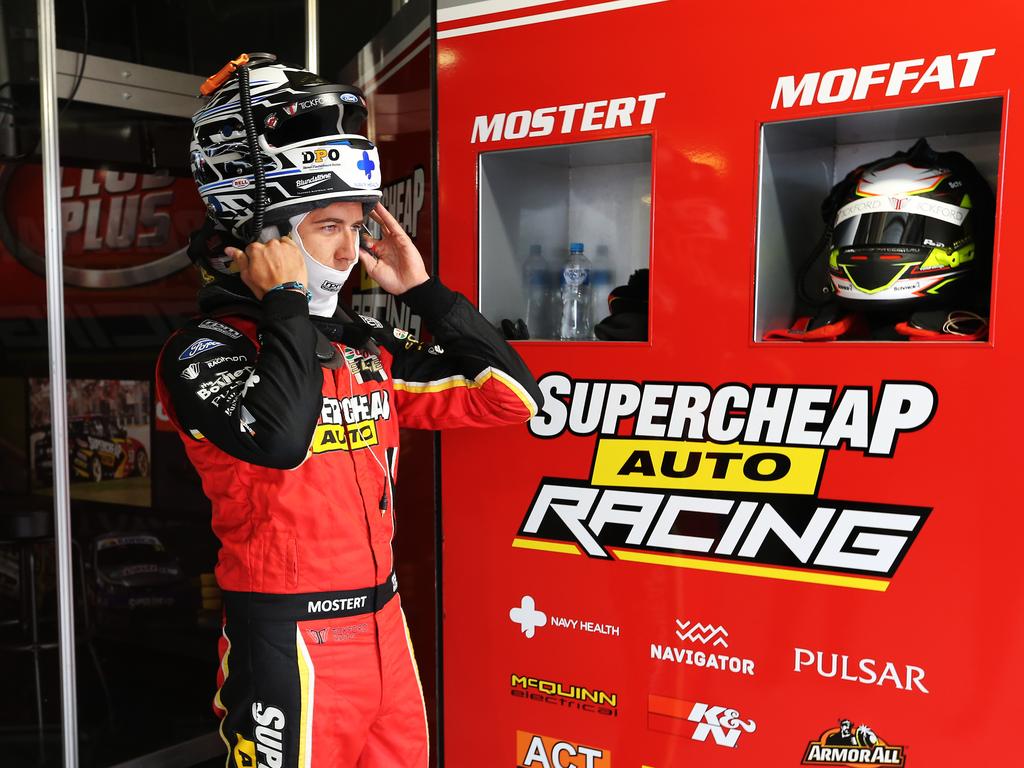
[709,636]
[701,633]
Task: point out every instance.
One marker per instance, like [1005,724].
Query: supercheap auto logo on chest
[726,479]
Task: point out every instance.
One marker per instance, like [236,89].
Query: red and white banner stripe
[490,15]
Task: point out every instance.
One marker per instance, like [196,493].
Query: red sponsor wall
[709,549]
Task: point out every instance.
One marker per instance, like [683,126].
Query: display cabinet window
[563,230]
[878,226]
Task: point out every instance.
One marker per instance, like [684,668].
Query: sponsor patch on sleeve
[227,330]
[199,347]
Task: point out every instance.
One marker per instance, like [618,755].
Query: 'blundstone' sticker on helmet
[313,181]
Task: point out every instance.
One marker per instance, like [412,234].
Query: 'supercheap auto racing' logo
[726,479]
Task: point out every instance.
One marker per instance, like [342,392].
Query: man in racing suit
[292,422]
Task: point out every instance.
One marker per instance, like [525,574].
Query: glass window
[30,708]
[147,605]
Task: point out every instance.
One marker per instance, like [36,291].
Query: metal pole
[312,35]
[58,384]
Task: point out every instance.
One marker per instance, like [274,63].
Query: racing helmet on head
[912,229]
[275,141]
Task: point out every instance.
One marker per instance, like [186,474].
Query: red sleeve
[469,376]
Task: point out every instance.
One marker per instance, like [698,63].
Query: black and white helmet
[305,131]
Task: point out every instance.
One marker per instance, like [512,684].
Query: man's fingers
[369,261]
[240,257]
[384,230]
[384,213]
[383,216]
[373,253]
[366,241]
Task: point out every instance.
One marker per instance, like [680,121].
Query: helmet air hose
[245,102]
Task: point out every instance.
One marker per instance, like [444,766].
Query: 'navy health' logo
[366,165]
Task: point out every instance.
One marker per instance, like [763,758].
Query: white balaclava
[324,282]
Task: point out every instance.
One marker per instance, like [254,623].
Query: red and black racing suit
[298,454]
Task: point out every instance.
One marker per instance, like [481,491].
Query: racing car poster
[109,442]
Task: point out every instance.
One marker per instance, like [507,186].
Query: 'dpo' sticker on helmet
[358,168]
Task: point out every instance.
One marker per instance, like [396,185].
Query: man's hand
[392,261]
[263,266]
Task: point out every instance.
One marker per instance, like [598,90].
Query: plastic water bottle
[601,283]
[576,307]
[537,282]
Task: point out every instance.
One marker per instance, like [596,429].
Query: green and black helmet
[910,230]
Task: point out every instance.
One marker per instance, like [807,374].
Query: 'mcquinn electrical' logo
[726,479]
